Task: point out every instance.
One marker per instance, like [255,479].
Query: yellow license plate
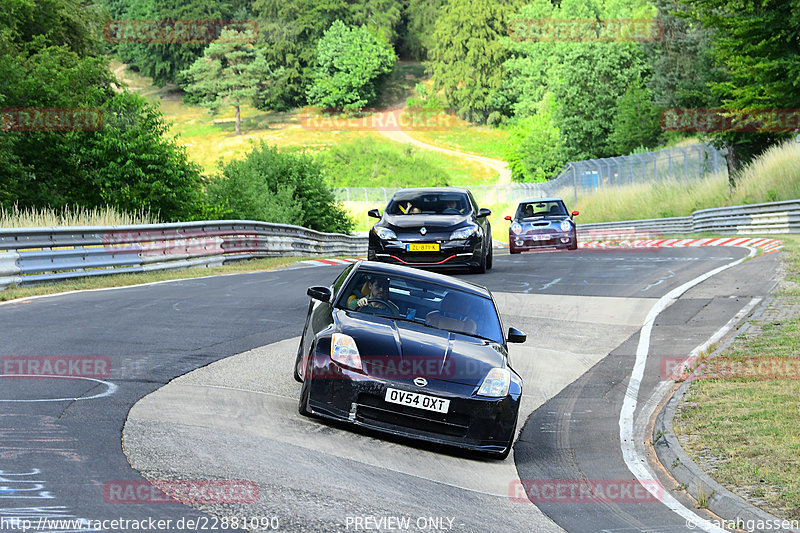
[423,247]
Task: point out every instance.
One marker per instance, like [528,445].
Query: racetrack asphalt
[580,310]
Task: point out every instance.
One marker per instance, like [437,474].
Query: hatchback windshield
[541,209]
[422,302]
[412,203]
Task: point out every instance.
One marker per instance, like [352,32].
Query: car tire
[573,245]
[490,254]
[302,405]
[298,360]
[513,251]
[481,268]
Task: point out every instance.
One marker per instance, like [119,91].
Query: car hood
[542,222]
[429,221]
[402,351]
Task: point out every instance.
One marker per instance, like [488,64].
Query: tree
[275,186]
[229,73]
[419,21]
[350,63]
[758,44]
[636,122]
[466,55]
[122,159]
[289,31]
[158,57]
[535,152]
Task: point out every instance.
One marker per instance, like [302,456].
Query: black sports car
[542,223]
[410,353]
[436,227]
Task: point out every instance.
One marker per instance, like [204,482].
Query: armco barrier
[754,219]
[30,255]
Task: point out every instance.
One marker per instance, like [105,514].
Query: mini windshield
[412,203]
[541,209]
[418,301]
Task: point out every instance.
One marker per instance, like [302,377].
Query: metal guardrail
[30,255]
[754,219]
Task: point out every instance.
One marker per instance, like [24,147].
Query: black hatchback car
[411,353]
[436,227]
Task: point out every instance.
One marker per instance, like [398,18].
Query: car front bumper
[462,253]
[535,241]
[472,422]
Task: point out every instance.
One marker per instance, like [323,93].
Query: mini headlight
[495,384]
[566,225]
[464,233]
[516,228]
[385,234]
[344,351]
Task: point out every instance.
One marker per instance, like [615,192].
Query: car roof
[433,190]
[387,269]
[541,200]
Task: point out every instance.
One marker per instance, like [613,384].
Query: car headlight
[345,352]
[516,228]
[495,384]
[566,225]
[464,233]
[385,234]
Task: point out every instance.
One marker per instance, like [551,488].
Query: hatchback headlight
[516,228]
[566,225]
[495,384]
[385,234]
[464,233]
[344,351]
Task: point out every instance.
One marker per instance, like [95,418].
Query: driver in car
[376,288]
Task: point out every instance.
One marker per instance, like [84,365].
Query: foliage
[275,186]
[466,55]
[289,31]
[636,122]
[160,59]
[229,73]
[759,46]
[536,152]
[123,160]
[350,63]
[420,19]
[368,163]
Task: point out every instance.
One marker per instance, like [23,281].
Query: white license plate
[421,401]
[540,237]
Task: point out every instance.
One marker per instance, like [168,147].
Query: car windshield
[540,209]
[426,303]
[444,203]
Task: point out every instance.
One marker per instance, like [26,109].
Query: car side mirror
[575,213]
[374,213]
[508,217]
[323,294]
[516,336]
[483,212]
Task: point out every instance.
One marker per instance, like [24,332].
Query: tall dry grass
[772,177]
[72,216]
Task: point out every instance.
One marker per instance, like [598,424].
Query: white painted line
[635,462]
[111,388]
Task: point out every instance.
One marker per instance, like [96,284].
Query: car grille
[424,258]
[374,408]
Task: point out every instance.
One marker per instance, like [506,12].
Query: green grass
[745,429]
[486,141]
[773,177]
[211,139]
[125,280]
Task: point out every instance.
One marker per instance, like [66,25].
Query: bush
[350,64]
[274,186]
[536,151]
